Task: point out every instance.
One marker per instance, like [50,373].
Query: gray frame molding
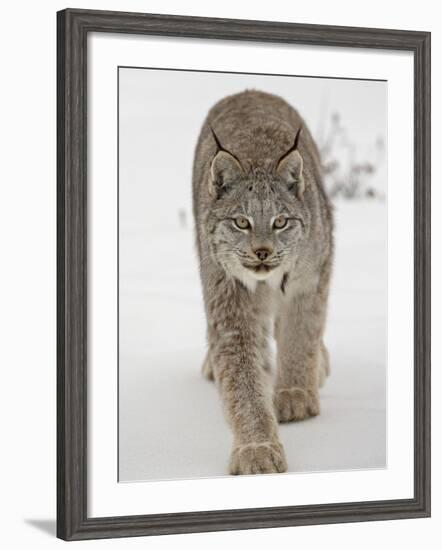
[72,28]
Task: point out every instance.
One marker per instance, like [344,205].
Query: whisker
[213,257]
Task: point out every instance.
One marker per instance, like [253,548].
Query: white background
[28,273]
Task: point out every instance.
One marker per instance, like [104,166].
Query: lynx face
[257,226]
[257,222]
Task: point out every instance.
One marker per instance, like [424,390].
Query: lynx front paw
[258,458]
[296,404]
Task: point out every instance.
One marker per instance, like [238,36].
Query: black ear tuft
[290,168]
[220,147]
[298,133]
[226,168]
[215,137]
[294,147]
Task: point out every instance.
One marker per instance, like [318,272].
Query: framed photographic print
[243,274]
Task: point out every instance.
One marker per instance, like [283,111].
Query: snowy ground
[171,422]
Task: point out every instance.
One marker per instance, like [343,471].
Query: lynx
[264,238]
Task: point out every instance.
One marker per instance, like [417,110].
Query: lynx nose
[262,253]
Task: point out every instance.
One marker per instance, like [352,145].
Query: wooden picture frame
[73,27]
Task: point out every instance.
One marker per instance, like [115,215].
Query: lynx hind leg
[300,355]
[296,403]
[207,368]
[324,364]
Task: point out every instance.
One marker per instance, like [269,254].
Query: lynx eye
[242,222]
[279,222]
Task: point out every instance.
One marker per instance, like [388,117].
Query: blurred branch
[345,174]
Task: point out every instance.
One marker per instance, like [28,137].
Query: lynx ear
[290,168]
[225,168]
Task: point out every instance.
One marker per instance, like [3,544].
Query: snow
[171,423]
[170,419]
